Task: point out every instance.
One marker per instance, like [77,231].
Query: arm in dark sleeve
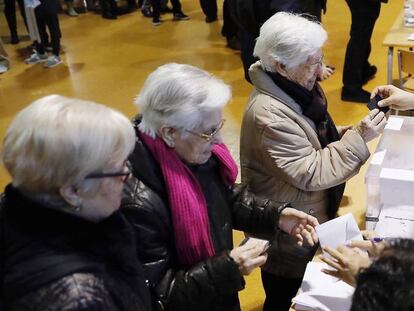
[252,214]
[176,287]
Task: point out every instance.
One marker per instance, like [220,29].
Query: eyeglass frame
[125,174]
[209,137]
[319,62]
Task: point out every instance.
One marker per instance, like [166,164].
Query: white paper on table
[322,292]
[411,37]
[378,157]
[396,221]
[394,123]
[338,231]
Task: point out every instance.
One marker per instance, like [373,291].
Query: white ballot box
[390,181]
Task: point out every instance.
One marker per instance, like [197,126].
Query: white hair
[58,141]
[288,39]
[179,96]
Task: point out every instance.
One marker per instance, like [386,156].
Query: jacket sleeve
[291,155]
[175,287]
[252,214]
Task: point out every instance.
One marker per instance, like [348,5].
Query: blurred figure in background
[357,69]
[10,14]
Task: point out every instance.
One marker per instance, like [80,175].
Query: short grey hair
[179,96]
[58,141]
[288,39]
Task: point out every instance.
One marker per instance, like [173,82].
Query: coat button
[311,211]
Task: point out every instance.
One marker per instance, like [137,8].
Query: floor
[107,62]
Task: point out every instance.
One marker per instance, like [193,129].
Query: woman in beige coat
[291,150]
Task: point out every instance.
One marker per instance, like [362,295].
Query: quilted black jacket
[209,285]
[53,261]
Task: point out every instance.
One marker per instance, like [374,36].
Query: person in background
[357,69]
[66,245]
[10,14]
[384,280]
[47,17]
[178,14]
[4,60]
[290,148]
[394,97]
[70,10]
[183,199]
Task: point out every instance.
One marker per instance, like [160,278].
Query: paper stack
[322,292]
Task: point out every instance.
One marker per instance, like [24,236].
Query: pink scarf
[187,202]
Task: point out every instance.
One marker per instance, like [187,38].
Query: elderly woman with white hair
[65,244]
[291,150]
[182,198]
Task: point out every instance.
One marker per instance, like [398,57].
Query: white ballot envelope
[322,292]
[338,231]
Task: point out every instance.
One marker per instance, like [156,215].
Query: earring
[78,207]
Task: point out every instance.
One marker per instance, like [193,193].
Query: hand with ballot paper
[355,254]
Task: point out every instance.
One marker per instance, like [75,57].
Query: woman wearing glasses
[65,243]
[291,150]
[182,198]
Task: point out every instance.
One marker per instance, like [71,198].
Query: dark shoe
[156,22]
[146,12]
[350,94]
[180,16]
[233,43]
[109,16]
[369,74]
[210,19]
[165,9]
[14,39]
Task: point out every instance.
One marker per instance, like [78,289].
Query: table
[396,37]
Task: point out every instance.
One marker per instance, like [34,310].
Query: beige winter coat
[281,159]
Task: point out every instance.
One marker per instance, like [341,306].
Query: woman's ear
[167,134]
[71,195]
[281,69]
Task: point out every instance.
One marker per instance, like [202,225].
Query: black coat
[211,284]
[52,260]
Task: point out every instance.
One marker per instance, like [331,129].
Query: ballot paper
[322,292]
[338,231]
[394,123]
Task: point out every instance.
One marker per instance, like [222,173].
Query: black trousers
[156,7]
[364,14]
[209,7]
[279,291]
[10,14]
[230,28]
[47,18]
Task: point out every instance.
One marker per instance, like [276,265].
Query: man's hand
[299,225]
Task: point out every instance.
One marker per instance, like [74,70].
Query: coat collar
[264,84]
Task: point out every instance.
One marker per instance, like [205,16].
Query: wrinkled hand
[346,262]
[299,225]
[372,125]
[394,97]
[342,129]
[325,72]
[248,257]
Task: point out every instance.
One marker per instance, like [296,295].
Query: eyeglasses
[209,137]
[314,65]
[125,174]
